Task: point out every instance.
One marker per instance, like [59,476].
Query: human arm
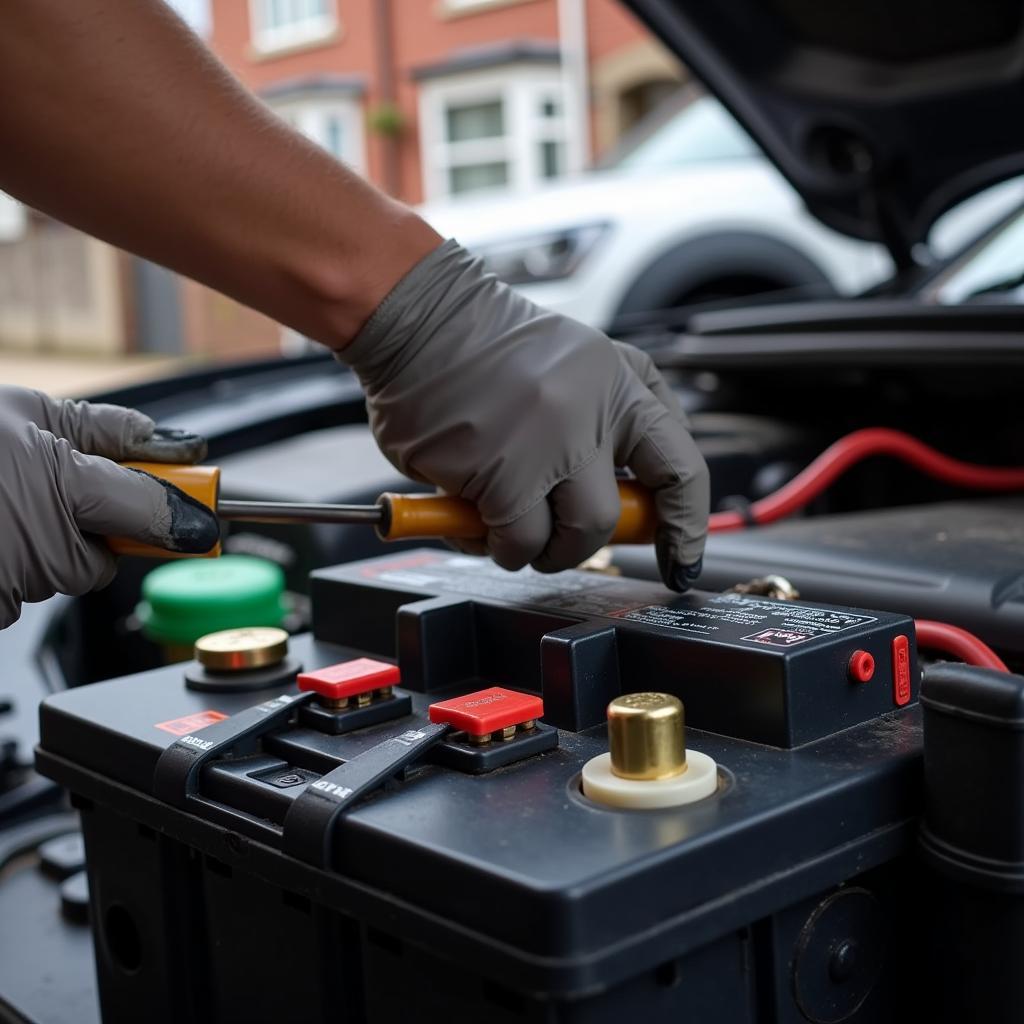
[127,127]
[119,121]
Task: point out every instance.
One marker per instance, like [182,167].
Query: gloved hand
[526,413]
[59,491]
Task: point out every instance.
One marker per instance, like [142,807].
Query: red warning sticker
[190,723]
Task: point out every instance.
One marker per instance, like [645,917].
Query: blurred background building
[427,98]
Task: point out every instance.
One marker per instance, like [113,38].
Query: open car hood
[882,113]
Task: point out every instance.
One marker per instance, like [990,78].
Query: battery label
[728,618]
[771,623]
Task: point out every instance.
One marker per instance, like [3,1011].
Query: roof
[333,85]
[477,58]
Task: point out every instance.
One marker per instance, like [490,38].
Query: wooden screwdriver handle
[408,516]
[201,482]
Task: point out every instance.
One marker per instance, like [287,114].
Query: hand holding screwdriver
[522,422]
[470,387]
[526,414]
[59,490]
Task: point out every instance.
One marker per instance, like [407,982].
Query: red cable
[941,636]
[848,451]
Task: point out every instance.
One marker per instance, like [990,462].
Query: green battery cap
[182,601]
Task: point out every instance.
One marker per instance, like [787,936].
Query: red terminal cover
[349,678]
[487,711]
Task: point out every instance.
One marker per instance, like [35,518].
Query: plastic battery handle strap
[309,824]
[176,776]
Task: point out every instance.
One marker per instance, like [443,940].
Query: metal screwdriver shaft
[299,512]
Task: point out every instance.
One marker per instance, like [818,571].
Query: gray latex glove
[58,491]
[526,413]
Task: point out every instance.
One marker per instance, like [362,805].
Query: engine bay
[817,672]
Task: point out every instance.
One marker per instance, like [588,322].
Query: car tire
[722,266]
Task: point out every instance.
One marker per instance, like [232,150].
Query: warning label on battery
[727,618]
[771,623]
[191,723]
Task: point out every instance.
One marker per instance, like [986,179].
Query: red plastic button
[350,678]
[487,711]
[901,670]
[862,667]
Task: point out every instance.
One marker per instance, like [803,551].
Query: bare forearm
[118,121]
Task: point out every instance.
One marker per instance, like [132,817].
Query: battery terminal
[502,735]
[494,715]
[491,729]
[648,765]
[352,695]
[351,684]
[358,700]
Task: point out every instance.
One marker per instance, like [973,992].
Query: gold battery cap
[647,765]
[646,736]
[237,650]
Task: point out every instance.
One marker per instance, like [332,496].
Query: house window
[503,128]
[334,123]
[280,24]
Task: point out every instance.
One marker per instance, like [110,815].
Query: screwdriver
[395,516]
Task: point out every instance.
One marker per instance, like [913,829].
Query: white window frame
[469,5]
[522,89]
[269,38]
[454,8]
[308,113]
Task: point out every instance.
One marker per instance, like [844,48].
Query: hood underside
[882,113]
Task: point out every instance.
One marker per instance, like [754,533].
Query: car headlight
[546,257]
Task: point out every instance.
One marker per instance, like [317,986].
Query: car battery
[393,823]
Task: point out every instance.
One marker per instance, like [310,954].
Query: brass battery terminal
[240,660]
[648,765]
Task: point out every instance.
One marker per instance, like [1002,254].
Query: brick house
[429,98]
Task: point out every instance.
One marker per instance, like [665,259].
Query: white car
[693,212]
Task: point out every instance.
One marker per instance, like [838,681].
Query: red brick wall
[219,327]
[610,27]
